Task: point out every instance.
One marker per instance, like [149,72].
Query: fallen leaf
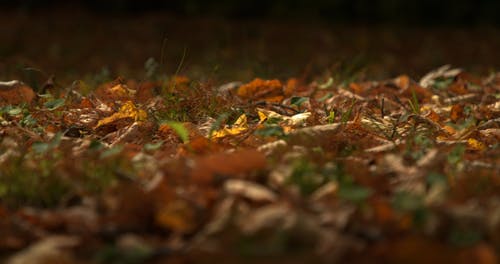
[234,164]
[127,111]
[258,89]
[179,83]
[178,215]
[442,72]
[52,249]
[475,144]
[114,91]
[249,190]
[15,92]
[239,126]
[290,87]
[271,216]
[402,81]
[457,112]
[287,122]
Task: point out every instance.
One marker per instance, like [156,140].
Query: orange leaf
[179,83]
[259,89]
[86,103]
[356,88]
[291,86]
[402,81]
[450,130]
[433,116]
[457,112]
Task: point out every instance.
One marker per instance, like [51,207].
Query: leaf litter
[176,170]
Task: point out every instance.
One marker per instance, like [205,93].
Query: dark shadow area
[240,40]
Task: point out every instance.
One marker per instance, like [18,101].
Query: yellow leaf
[241,121]
[262,116]
[128,110]
[475,144]
[239,126]
[265,114]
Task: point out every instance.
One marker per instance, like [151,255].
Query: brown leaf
[480,254]
[233,164]
[146,91]
[15,92]
[457,112]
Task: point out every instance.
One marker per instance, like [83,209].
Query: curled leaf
[128,110]
[239,126]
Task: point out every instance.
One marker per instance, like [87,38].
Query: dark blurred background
[421,12]
[244,39]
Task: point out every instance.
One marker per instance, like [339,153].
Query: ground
[142,142]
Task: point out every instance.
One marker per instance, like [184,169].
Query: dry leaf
[15,92]
[233,164]
[442,72]
[249,190]
[258,89]
[271,216]
[402,81]
[50,250]
[457,112]
[287,122]
[127,111]
[178,216]
[239,126]
[475,144]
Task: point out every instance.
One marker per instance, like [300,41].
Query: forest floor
[155,139]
